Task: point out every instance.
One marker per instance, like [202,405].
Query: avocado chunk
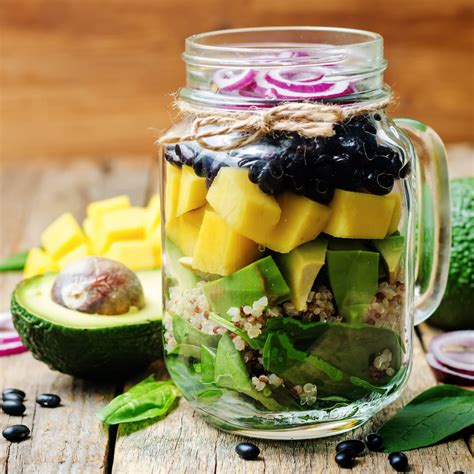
[353,275]
[90,346]
[247,285]
[300,267]
[182,275]
[391,249]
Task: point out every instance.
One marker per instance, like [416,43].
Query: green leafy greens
[430,417]
[14,263]
[147,399]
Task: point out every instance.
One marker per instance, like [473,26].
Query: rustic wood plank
[69,438]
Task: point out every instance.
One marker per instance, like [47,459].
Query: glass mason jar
[293,272]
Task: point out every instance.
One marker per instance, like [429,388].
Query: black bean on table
[398,461]
[247,451]
[19,392]
[345,458]
[48,400]
[16,433]
[374,442]
[12,396]
[354,445]
[13,407]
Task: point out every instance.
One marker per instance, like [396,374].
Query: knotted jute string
[308,119]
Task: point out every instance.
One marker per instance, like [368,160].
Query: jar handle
[433,237]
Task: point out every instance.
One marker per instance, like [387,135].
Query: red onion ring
[291,80]
[460,361]
[447,375]
[10,342]
[227,80]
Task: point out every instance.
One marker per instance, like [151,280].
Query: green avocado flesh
[245,286]
[353,275]
[88,345]
[391,249]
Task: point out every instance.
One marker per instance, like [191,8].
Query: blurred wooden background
[90,77]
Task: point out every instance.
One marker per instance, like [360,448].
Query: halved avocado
[90,346]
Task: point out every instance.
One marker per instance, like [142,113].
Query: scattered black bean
[13,407]
[247,451]
[458,472]
[345,458]
[355,445]
[19,392]
[16,433]
[398,461]
[48,400]
[12,396]
[374,442]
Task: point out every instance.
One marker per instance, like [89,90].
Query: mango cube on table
[122,224]
[97,209]
[301,220]
[79,252]
[38,262]
[153,214]
[219,249]
[135,254]
[193,191]
[359,215]
[243,205]
[155,239]
[62,236]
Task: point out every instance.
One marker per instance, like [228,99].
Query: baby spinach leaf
[430,417]
[14,263]
[223,322]
[148,399]
[230,372]
[185,333]
[208,362]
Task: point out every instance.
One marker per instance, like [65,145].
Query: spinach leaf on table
[147,399]
[430,417]
[14,262]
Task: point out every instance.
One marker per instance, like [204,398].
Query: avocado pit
[97,285]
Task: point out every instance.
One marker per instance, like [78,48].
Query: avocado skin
[96,354]
[455,310]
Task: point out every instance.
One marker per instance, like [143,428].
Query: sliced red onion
[305,81]
[10,342]
[227,80]
[337,89]
[447,375]
[455,350]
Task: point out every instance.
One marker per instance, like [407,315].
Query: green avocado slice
[89,346]
[391,249]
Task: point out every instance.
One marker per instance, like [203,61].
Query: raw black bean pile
[353,159]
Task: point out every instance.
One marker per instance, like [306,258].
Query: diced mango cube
[219,249]
[62,235]
[79,252]
[397,212]
[359,215]
[242,205]
[88,227]
[122,224]
[301,220]
[192,191]
[172,186]
[189,226]
[97,209]
[153,214]
[135,254]
[38,262]
[155,239]
[172,230]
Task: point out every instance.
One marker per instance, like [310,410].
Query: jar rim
[220,49]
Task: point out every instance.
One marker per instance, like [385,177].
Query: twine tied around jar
[308,119]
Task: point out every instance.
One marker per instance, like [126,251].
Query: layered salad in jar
[284,270]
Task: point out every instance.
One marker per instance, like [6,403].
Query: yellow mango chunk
[242,205]
[172,186]
[221,250]
[97,209]
[397,212]
[189,226]
[172,230]
[135,254]
[359,215]
[153,214]
[122,224]
[301,220]
[38,262]
[88,227]
[192,191]
[61,236]
[76,254]
[155,239]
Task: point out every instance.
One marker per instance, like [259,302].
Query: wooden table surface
[70,439]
